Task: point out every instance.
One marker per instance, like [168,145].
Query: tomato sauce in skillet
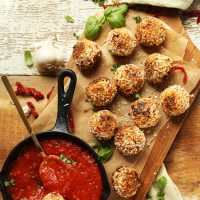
[80,172]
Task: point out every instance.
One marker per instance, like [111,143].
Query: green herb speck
[137,19]
[114,67]
[69,19]
[76,36]
[9,182]
[28,59]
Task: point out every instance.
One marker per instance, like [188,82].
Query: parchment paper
[174,47]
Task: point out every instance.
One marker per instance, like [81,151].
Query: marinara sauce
[83,175]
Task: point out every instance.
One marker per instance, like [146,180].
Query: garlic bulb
[47,58]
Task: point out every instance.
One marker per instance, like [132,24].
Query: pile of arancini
[129,80]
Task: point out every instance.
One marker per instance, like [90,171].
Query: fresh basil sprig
[113,15]
[93,26]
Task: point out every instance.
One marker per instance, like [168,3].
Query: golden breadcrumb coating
[145,112]
[125,181]
[101,91]
[103,124]
[175,100]
[86,54]
[157,66]
[121,42]
[129,140]
[150,32]
[129,79]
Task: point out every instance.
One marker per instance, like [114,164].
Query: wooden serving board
[9,120]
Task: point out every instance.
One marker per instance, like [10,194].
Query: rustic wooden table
[25,22]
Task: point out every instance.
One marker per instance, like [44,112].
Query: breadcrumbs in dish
[103,124]
[125,181]
[121,42]
[150,32]
[145,112]
[101,91]
[157,66]
[129,140]
[53,196]
[175,100]
[86,54]
[129,79]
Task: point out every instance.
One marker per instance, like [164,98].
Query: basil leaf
[116,20]
[99,2]
[9,182]
[121,9]
[95,144]
[161,182]
[69,19]
[161,196]
[92,27]
[114,67]
[28,59]
[105,152]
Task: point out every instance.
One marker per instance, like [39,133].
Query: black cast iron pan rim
[59,131]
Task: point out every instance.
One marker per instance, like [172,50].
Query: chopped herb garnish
[137,96]
[28,59]
[69,19]
[67,160]
[161,196]
[149,197]
[161,182]
[76,36]
[137,19]
[114,67]
[99,2]
[9,182]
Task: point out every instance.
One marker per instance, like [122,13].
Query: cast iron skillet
[60,130]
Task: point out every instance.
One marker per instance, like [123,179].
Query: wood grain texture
[24,23]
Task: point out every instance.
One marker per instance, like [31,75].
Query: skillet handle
[64,100]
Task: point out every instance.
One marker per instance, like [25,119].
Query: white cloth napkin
[180,4]
[171,191]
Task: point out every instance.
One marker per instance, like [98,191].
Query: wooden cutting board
[12,129]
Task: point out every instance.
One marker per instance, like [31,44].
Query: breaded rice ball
[103,124]
[129,79]
[157,66]
[86,54]
[125,181]
[129,140]
[53,196]
[150,32]
[145,112]
[101,91]
[175,100]
[121,42]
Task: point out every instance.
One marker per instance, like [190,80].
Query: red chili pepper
[183,70]
[192,13]
[33,111]
[71,122]
[108,5]
[50,92]
[25,91]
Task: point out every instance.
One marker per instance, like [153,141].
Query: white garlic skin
[48,59]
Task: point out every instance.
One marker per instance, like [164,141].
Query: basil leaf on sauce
[28,59]
[67,160]
[9,182]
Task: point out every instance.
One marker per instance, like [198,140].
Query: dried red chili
[50,92]
[192,13]
[183,70]
[71,122]
[26,91]
[108,5]
[33,111]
